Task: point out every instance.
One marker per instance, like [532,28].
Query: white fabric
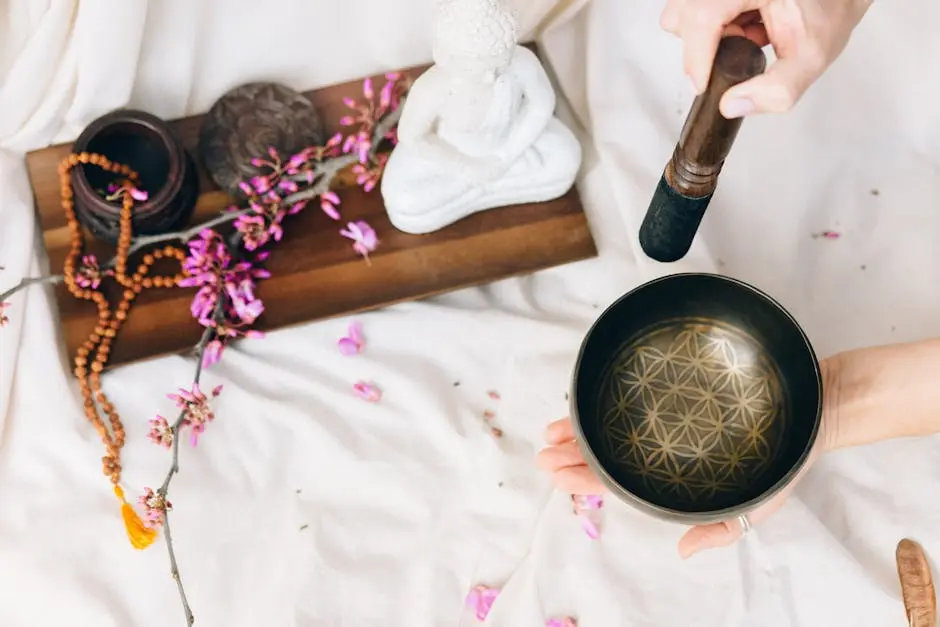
[305,507]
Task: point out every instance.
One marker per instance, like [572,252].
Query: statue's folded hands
[478,129]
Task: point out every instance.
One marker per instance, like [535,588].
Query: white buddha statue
[478,129]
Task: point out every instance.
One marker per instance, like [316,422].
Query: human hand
[570,473]
[807,36]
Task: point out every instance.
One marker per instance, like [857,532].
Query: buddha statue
[478,129]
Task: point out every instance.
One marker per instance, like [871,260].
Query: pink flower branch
[225,270]
[362,154]
[193,405]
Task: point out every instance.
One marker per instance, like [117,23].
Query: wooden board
[315,274]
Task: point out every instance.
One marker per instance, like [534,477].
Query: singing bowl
[696,398]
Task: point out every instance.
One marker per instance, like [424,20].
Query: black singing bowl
[696,398]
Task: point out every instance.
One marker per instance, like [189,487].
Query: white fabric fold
[305,507]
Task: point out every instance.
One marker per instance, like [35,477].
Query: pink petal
[138,194]
[364,148]
[591,527]
[493,394]
[355,333]
[385,98]
[481,600]
[367,88]
[367,392]
[212,353]
[567,621]
[348,346]
[329,210]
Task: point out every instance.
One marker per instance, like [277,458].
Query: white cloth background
[407,504]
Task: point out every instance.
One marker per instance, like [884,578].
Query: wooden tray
[315,274]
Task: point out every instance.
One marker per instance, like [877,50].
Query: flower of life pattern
[692,410]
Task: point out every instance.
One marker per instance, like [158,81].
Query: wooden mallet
[691,176]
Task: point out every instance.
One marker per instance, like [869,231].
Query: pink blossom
[212,353]
[385,97]
[368,175]
[288,186]
[196,410]
[587,508]
[89,273]
[367,391]
[116,191]
[567,621]
[328,203]
[363,237]
[212,269]
[493,394]
[160,432]
[481,600]
[155,507]
[353,342]
[367,90]
[254,231]
[260,184]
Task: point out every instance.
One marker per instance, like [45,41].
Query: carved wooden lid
[249,119]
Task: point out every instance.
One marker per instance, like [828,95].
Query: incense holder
[147,145]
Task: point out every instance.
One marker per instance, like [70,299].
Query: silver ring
[745,523]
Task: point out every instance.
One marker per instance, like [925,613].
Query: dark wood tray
[315,274]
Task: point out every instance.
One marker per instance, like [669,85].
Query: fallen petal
[367,392]
[348,346]
[481,600]
[567,621]
[355,333]
[591,527]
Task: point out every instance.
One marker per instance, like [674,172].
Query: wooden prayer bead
[92,357]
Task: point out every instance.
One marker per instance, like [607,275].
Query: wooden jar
[148,146]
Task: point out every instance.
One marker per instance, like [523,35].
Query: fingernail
[738,108]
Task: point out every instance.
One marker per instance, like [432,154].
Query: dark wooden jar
[148,146]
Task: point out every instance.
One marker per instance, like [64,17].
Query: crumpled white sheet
[305,507]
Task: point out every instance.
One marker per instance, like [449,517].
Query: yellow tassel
[140,535]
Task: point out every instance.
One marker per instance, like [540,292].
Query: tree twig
[182,236]
[52,279]
[207,336]
[325,171]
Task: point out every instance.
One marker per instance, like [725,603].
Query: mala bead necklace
[92,356]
